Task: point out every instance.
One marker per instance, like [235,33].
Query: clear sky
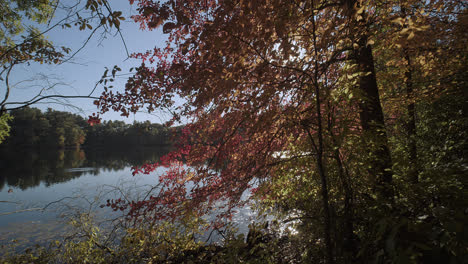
[79,76]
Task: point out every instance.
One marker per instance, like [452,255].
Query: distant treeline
[33,128]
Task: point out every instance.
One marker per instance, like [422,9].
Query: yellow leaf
[398,20]
[403,31]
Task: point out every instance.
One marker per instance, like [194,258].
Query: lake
[68,182]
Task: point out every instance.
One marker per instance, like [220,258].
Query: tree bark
[349,243]
[348,231]
[371,114]
[319,149]
[411,124]
[372,120]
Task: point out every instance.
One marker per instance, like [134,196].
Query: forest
[341,123]
[31,128]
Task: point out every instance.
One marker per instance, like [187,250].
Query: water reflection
[25,169]
[69,182]
[64,182]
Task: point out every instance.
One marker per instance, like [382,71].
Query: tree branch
[28,103]
[7,93]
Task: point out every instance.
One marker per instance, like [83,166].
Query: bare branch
[28,103]
[7,93]
[82,46]
[106,4]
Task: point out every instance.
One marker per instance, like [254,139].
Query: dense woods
[344,120]
[31,128]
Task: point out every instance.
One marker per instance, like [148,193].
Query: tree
[261,85]
[32,128]
[4,127]
[23,41]
[280,91]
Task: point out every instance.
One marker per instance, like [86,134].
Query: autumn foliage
[302,105]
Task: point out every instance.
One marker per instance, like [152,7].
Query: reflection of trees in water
[29,168]
[116,159]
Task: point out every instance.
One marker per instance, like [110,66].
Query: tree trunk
[348,231]
[319,149]
[413,171]
[324,189]
[350,243]
[411,124]
[371,114]
[372,120]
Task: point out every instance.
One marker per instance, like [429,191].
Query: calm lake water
[68,182]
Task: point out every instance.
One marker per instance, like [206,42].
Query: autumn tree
[280,95]
[23,41]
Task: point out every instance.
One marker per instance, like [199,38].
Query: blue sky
[79,76]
